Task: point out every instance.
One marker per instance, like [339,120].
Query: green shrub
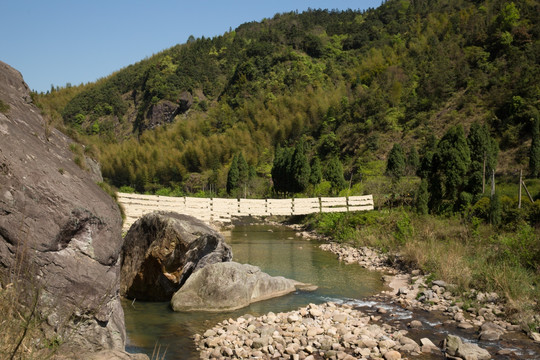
[164,191]
[404,229]
[533,213]
[481,209]
[521,248]
[126,189]
[4,108]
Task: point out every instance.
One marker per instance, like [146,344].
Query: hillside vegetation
[351,84]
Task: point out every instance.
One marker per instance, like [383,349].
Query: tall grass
[21,335]
[469,254]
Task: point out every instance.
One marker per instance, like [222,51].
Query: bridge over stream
[223,210]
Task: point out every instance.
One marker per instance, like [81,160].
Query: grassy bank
[470,254]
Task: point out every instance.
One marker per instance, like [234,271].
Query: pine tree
[315,176]
[299,169]
[449,166]
[425,165]
[534,152]
[334,174]
[233,176]
[413,161]
[280,170]
[395,166]
[243,171]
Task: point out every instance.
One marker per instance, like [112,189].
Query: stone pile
[363,256]
[487,319]
[328,330]
[417,292]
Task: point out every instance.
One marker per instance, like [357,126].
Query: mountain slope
[352,83]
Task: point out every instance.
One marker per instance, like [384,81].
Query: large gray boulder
[162,249]
[455,347]
[60,233]
[229,286]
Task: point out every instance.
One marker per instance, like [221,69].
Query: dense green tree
[449,167]
[413,161]
[299,168]
[395,165]
[482,148]
[243,171]
[315,176]
[280,170]
[334,174]
[233,177]
[425,165]
[534,152]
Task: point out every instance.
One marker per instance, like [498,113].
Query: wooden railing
[223,210]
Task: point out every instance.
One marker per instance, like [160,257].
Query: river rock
[69,228]
[490,331]
[162,249]
[535,337]
[392,355]
[454,346]
[415,324]
[228,286]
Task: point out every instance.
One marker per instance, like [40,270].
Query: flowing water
[277,251]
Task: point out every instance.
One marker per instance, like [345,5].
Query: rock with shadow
[162,249]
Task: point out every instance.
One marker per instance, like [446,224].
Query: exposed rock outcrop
[164,111]
[230,286]
[161,250]
[58,226]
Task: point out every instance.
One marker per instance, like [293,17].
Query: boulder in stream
[162,249]
[229,286]
[454,346]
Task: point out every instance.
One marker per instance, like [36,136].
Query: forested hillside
[337,88]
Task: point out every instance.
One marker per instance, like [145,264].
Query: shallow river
[277,251]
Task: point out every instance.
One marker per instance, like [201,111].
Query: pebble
[339,332]
[415,324]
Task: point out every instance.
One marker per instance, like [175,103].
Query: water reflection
[277,251]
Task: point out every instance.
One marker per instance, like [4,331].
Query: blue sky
[53,42]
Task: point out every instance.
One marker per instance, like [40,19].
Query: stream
[276,250]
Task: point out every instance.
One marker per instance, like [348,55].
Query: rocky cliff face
[57,227]
[162,249]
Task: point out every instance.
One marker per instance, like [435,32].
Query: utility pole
[520,180]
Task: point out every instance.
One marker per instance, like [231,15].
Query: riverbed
[276,250]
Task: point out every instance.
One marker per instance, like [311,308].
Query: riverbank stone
[454,346]
[229,286]
[162,249]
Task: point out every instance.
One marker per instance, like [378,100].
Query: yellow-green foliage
[353,83]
